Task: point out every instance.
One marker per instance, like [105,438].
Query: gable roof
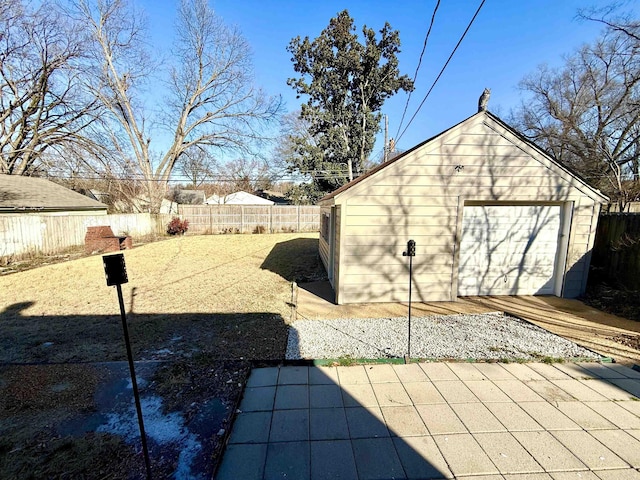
[470,119]
[19,193]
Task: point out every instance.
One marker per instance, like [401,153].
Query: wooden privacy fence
[24,235]
[210,219]
[616,251]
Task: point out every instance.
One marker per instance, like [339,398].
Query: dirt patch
[624,303]
[631,341]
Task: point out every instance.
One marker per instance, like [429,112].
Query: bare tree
[611,16]
[197,165]
[247,174]
[43,105]
[211,100]
[587,113]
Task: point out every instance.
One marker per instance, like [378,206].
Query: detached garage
[491,214]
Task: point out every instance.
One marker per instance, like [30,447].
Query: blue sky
[508,40]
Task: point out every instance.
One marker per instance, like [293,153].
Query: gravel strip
[489,336]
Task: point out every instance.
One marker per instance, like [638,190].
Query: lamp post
[116,274]
[411,252]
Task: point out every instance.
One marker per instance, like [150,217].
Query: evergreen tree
[346,82]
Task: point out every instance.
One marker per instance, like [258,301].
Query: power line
[415,75]
[442,70]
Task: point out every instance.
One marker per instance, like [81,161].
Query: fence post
[241,219]
[270,218]
[298,219]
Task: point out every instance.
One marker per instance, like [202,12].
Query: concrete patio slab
[579,390]
[584,416]
[421,458]
[617,415]
[328,424]
[288,460]
[292,396]
[477,418]
[410,372]
[332,459]
[438,371]
[258,399]
[514,418]
[381,374]
[391,394]
[358,395]
[440,419]
[518,391]
[486,391]
[365,423]
[549,391]
[464,455]
[494,371]
[623,444]
[549,372]
[548,416]
[376,458]
[608,389]
[589,450]
[466,371]
[522,371]
[585,475]
[325,396]
[423,393]
[632,405]
[455,391]
[507,454]
[548,451]
[627,474]
[404,421]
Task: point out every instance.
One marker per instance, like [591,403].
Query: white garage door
[508,250]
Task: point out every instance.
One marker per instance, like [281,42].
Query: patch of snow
[163,429]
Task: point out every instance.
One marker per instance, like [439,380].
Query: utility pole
[386,138]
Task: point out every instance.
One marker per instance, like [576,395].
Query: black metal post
[136,394]
[409,334]
[411,252]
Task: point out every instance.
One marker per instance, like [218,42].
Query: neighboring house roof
[276,197]
[190,197]
[490,116]
[19,193]
[238,198]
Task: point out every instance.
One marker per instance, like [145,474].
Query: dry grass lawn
[181,293]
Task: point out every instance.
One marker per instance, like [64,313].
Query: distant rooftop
[19,193]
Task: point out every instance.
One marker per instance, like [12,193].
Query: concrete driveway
[484,421]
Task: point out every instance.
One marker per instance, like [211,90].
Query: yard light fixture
[411,252]
[115,271]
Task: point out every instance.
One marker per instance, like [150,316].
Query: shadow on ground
[296,260]
[66,403]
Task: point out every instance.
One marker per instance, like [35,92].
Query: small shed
[33,195]
[491,214]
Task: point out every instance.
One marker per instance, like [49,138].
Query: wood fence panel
[24,235]
[616,250]
[14,229]
[205,219]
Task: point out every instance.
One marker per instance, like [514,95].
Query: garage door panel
[508,250]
